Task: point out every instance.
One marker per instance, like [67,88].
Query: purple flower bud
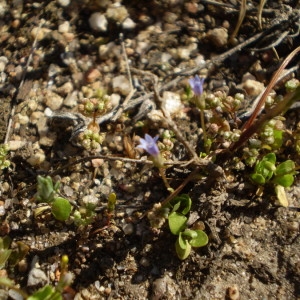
[196,84]
[149,145]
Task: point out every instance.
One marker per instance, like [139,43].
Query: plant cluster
[176,211]
[47,292]
[48,193]
[91,139]
[220,127]
[9,256]
[280,176]
[4,162]
[177,219]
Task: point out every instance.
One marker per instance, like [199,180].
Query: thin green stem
[164,178]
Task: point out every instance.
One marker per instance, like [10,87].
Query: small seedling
[47,292]
[85,214]
[4,162]
[282,176]
[91,139]
[48,193]
[11,256]
[5,252]
[111,203]
[187,238]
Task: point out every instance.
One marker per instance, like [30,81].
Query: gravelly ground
[253,250]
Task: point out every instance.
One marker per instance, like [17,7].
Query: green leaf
[200,240]
[4,255]
[182,241]
[177,222]
[277,134]
[45,293]
[5,242]
[45,189]
[61,209]
[267,170]
[181,203]
[258,178]
[18,254]
[183,248]
[6,282]
[111,203]
[190,234]
[269,166]
[284,180]
[286,167]
[270,157]
[264,169]
[176,206]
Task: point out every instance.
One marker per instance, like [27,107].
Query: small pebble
[15,145]
[128,24]
[63,3]
[92,75]
[53,100]
[39,33]
[115,99]
[118,14]
[64,27]
[35,116]
[144,262]
[32,105]
[68,191]
[65,89]
[109,50]
[233,292]
[23,120]
[2,209]
[172,102]
[37,158]
[218,36]
[3,63]
[164,287]
[98,22]
[71,100]
[253,87]
[121,85]
[90,199]
[128,229]
[37,277]
[14,295]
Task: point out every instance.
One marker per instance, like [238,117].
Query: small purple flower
[149,144]
[196,84]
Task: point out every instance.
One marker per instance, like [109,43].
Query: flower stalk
[196,84]
[150,146]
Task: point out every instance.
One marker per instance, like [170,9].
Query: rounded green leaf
[285,168]
[182,253]
[46,292]
[182,241]
[269,166]
[258,178]
[271,157]
[177,222]
[200,240]
[284,180]
[61,209]
[191,234]
[181,204]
